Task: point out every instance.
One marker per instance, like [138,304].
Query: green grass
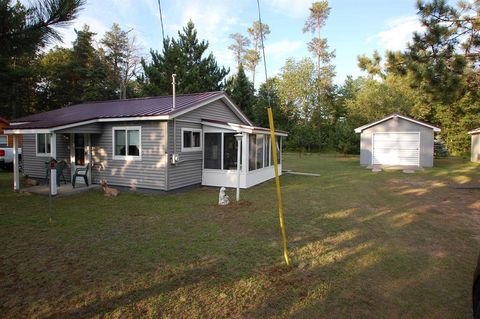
[365,245]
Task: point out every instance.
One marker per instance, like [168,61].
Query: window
[43,145]
[3,140]
[191,140]
[212,153]
[126,143]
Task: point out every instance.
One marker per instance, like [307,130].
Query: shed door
[396,148]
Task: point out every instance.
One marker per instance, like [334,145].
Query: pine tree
[241,90]
[239,47]
[23,31]
[186,58]
[258,33]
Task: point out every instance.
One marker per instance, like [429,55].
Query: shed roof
[475,131]
[395,115]
[132,109]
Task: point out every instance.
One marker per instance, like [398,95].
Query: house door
[80,155]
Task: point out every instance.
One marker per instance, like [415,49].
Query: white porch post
[53,145]
[238,137]
[16,164]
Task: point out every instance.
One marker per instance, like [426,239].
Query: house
[397,140]
[6,140]
[161,143]
[475,148]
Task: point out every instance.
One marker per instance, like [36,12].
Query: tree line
[434,79]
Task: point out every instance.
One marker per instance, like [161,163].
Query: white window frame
[192,149]
[126,129]
[48,137]
[6,139]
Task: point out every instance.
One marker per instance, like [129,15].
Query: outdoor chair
[60,167]
[81,172]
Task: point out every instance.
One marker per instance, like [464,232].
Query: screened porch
[220,154]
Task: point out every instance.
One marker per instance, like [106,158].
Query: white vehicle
[6,157]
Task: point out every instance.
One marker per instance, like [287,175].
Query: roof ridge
[145,98]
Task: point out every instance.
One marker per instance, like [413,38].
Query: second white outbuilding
[397,140]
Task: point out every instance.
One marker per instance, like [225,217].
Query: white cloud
[398,34]
[290,8]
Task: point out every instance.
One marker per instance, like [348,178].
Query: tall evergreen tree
[258,33]
[241,90]
[186,58]
[23,31]
[239,47]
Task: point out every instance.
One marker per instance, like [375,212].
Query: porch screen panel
[133,142]
[120,147]
[230,151]
[267,150]
[279,151]
[212,155]
[252,152]
[260,139]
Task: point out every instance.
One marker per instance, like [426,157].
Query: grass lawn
[363,244]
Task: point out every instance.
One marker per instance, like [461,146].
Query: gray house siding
[216,110]
[398,125]
[475,151]
[189,170]
[33,165]
[149,172]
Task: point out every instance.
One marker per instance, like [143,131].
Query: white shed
[397,140]
[475,149]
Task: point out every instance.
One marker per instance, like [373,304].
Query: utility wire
[161,19]
[263,52]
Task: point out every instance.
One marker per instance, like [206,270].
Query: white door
[396,148]
[80,154]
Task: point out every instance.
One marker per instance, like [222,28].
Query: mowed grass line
[363,245]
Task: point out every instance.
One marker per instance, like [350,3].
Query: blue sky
[353,28]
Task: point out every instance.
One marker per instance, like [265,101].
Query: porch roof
[151,108]
[242,128]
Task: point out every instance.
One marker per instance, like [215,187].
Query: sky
[353,28]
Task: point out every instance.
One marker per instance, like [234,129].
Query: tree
[241,90]
[258,33]
[296,87]
[23,32]
[239,47]
[319,12]
[184,57]
[122,55]
[268,97]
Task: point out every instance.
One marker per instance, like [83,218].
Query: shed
[475,149]
[397,140]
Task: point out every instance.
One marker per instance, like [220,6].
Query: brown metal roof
[151,106]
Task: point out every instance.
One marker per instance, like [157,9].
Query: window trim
[126,129]
[6,141]
[46,135]
[193,148]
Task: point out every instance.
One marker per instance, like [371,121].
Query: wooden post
[16,164]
